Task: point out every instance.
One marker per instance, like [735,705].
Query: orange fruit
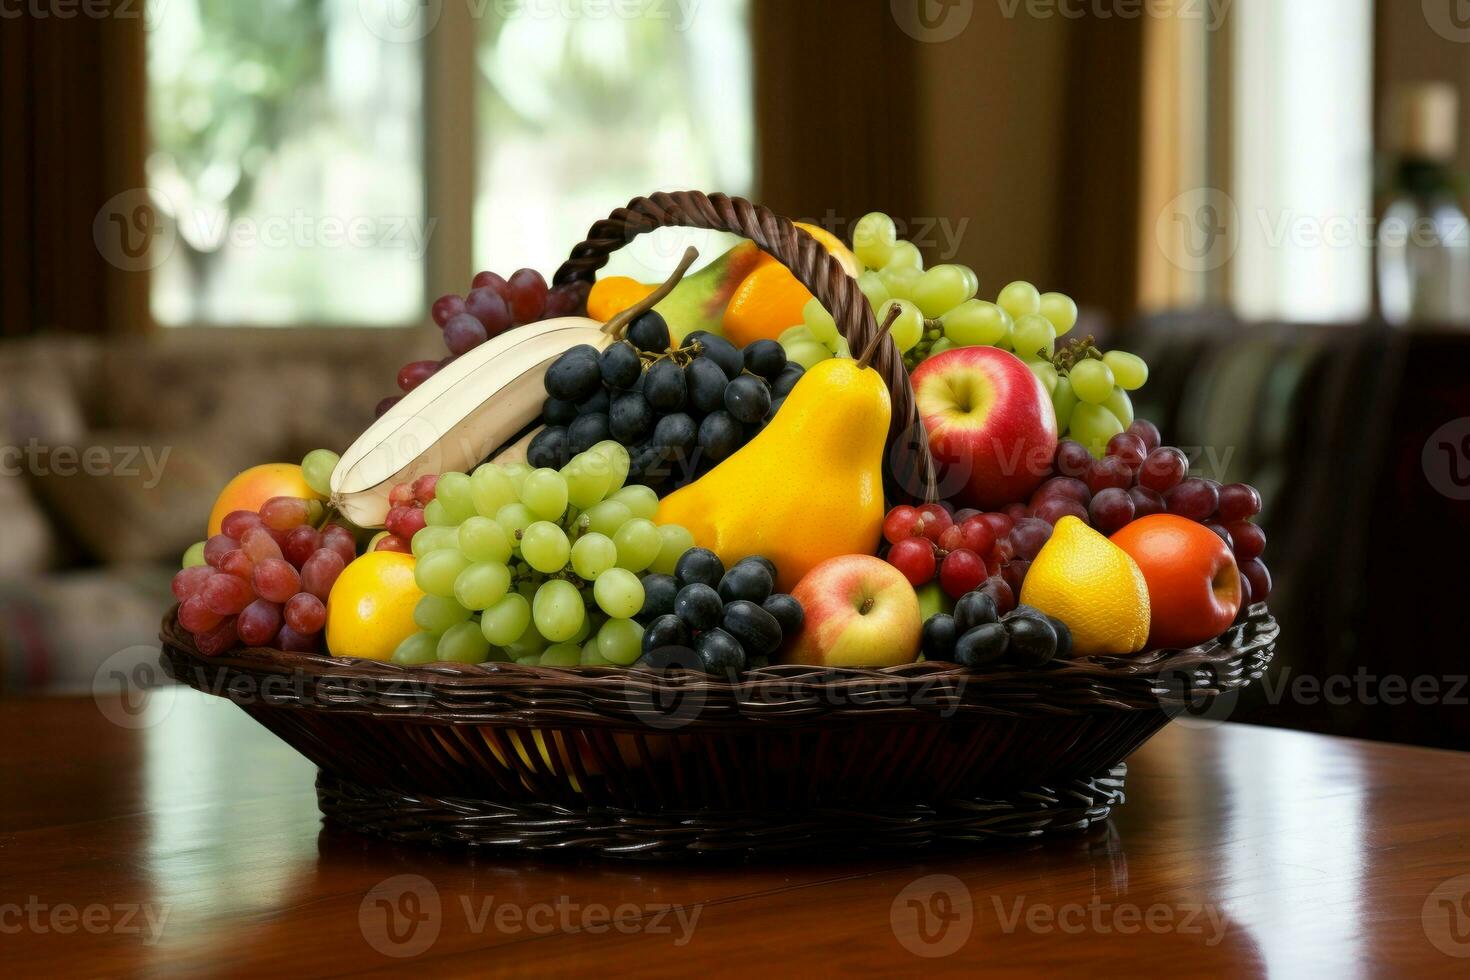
[767,303]
[613,295]
[250,489]
[770,300]
[1193,582]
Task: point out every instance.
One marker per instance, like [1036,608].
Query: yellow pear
[808,487]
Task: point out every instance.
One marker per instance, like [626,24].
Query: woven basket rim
[789,693]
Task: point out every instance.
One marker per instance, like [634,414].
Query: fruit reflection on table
[702,488]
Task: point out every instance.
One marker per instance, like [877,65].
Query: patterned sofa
[111,454]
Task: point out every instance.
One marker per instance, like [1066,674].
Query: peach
[255,486]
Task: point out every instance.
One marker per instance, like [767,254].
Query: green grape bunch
[538,566]
[1089,391]
[939,310]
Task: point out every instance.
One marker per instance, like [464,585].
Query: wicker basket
[636,763]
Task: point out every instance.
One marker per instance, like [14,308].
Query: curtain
[72,139]
[836,105]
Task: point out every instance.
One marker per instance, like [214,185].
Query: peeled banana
[478,406]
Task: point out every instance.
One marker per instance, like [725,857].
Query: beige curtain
[1184,211]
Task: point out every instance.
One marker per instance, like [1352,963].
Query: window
[292,145]
[578,115]
[286,149]
[1303,159]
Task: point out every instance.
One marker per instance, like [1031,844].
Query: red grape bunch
[1138,477]
[965,551]
[492,306]
[265,580]
[406,514]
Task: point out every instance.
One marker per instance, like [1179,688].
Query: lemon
[1093,586]
[370,609]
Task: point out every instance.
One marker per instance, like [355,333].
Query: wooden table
[185,839]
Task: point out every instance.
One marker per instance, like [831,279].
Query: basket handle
[909,475]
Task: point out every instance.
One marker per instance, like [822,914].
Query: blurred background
[223,224]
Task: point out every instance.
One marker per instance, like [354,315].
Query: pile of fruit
[691,477]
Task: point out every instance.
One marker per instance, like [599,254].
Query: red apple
[991,425]
[1193,582]
[860,612]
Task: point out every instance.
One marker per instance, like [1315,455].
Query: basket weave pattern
[784,740]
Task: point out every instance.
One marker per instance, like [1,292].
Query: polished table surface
[182,838]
